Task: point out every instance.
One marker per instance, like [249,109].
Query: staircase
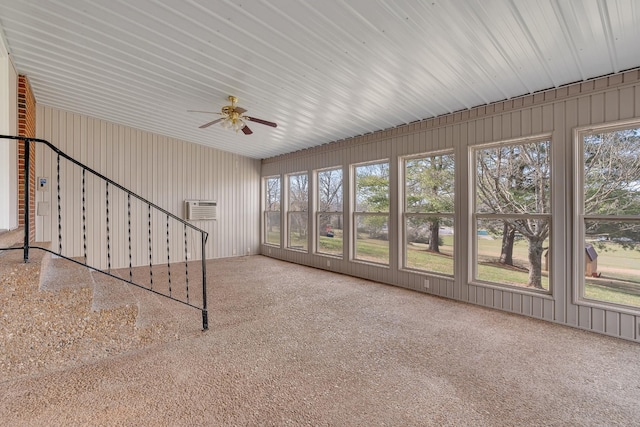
[56,314]
[102,249]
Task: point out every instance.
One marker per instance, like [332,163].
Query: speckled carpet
[290,345]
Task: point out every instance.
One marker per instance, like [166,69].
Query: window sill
[370,263]
[428,273]
[514,289]
[322,254]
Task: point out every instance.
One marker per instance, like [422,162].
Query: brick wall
[26,128]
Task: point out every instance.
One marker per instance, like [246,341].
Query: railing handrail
[111,182]
[204,234]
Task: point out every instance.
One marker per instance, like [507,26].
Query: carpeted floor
[290,345]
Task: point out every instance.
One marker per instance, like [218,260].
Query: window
[371,213]
[428,213]
[512,214]
[272,211]
[298,212]
[608,207]
[329,235]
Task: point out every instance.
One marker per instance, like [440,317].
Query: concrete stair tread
[154,309]
[58,273]
[109,292]
[12,238]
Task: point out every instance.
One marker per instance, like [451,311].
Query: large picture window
[512,214]
[371,213]
[428,213]
[608,190]
[298,212]
[272,211]
[329,237]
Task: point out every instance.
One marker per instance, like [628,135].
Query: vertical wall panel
[584,317]
[598,320]
[627,327]
[162,170]
[612,323]
[626,103]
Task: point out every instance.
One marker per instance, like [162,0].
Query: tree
[299,202]
[612,184]
[508,239]
[429,188]
[330,190]
[272,202]
[329,198]
[372,195]
[515,180]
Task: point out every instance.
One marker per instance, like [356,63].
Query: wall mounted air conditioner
[199,209]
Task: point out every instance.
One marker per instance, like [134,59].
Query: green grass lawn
[419,258]
[273,236]
[620,268]
[374,250]
[607,294]
[330,245]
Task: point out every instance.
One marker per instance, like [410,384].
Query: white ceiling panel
[324,71]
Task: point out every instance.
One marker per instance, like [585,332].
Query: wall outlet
[328,263]
[426,283]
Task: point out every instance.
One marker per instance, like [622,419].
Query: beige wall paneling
[462,222]
[571,315]
[598,321]
[612,323]
[627,326]
[162,170]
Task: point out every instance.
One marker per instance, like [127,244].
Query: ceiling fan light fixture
[233,118]
[239,124]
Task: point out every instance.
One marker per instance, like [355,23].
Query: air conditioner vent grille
[200,209]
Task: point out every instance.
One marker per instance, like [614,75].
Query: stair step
[58,273]
[153,311]
[109,292]
[12,238]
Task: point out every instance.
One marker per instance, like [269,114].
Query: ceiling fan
[233,118]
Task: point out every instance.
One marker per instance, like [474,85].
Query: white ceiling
[323,70]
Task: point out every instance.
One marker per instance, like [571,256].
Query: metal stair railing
[170,280]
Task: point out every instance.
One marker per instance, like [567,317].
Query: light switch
[43,183]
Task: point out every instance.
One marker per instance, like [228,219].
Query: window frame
[355,214]
[405,214]
[474,216]
[580,218]
[318,212]
[289,213]
[266,210]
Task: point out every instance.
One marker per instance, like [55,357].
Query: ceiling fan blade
[206,125]
[246,130]
[262,122]
[240,110]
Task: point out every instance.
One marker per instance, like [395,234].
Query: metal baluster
[84,219]
[168,256]
[59,209]
[205,314]
[129,225]
[27,199]
[108,234]
[186,262]
[150,253]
